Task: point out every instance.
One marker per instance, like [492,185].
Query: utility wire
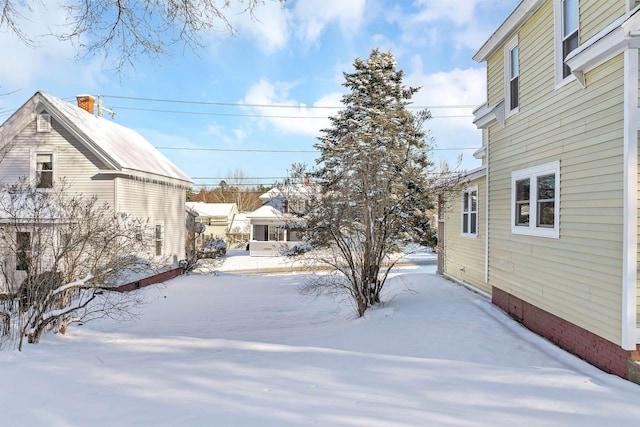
[200,113]
[242,104]
[257,150]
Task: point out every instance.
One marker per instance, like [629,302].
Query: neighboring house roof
[240,223]
[265,212]
[270,195]
[119,147]
[213,209]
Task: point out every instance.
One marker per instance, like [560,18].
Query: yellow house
[216,218]
[465,234]
[560,137]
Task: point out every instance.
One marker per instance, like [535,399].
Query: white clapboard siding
[157,203]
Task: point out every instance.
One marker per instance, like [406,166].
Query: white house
[53,139]
[271,224]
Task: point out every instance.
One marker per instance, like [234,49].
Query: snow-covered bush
[297,249]
[213,248]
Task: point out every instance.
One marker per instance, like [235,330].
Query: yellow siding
[597,14]
[578,276]
[495,78]
[465,256]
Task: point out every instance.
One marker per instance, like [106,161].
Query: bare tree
[123,30]
[373,181]
[62,257]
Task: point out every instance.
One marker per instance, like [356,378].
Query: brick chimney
[86,102]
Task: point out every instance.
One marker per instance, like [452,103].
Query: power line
[257,150]
[242,104]
[270,116]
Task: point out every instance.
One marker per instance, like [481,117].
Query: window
[567,34]
[276,234]
[44,170]
[470,212]
[43,122]
[158,239]
[23,250]
[535,201]
[512,74]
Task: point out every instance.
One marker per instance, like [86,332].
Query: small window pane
[571,19]
[474,201]
[465,223]
[546,187]
[158,236]
[522,190]
[514,62]
[546,214]
[513,97]
[473,226]
[522,214]
[23,250]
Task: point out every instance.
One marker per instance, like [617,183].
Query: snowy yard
[248,350]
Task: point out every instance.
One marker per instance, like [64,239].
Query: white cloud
[313,16]
[457,87]
[449,10]
[287,115]
[449,22]
[268,27]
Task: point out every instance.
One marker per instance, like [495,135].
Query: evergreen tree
[372,181]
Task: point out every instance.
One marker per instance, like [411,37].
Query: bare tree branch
[121,31]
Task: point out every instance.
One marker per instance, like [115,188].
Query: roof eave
[521,13]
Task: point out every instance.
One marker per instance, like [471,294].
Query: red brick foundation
[156,278]
[596,350]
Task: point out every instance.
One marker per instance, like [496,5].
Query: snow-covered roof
[240,222]
[265,212]
[271,194]
[121,148]
[213,209]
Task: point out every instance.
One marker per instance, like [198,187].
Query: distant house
[217,219]
[49,139]
[560,131]
[240,232]
[272,225]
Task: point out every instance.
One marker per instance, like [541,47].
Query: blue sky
[255,102]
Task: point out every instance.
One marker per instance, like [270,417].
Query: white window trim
[532,173]
[507,76]
[43,122]
[33,165]
[558,36]
[464,194]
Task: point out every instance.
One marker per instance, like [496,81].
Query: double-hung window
[469,218]
[44,170]
[535,207]
[158,239]
[512,76]
[567,31]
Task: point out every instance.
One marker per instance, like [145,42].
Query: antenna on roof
[101,109]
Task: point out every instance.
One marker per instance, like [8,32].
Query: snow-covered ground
[228,349]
